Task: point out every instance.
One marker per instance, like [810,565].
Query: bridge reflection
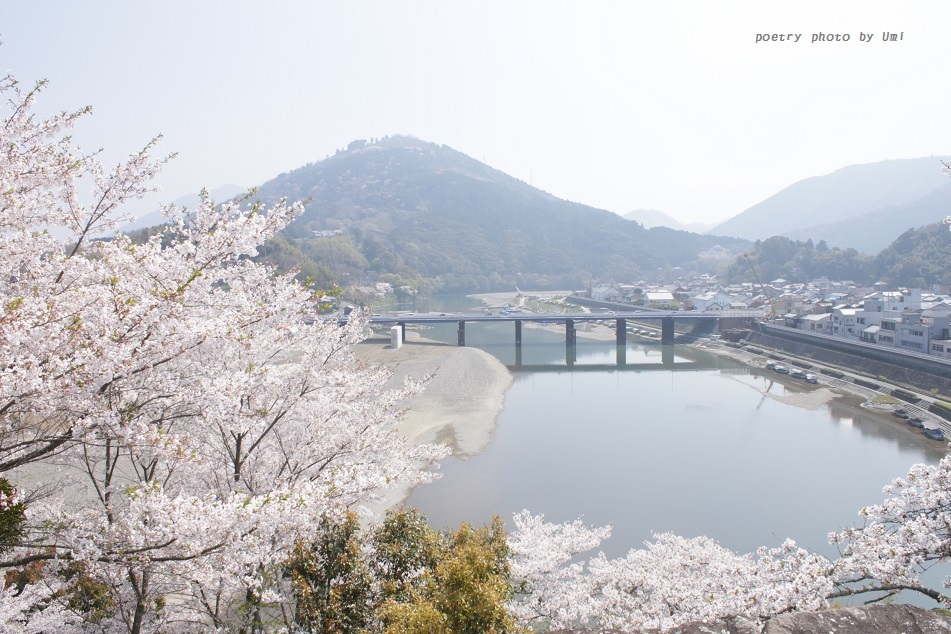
[680,358]
[667,333]
[666,318]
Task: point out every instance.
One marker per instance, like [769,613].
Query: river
[703,451]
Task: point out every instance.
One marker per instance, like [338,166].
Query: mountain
[873,231]
[650,218]
[154,218]
[816,205]
[918,258]
[425,212]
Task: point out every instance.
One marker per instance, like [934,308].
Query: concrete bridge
[666,318]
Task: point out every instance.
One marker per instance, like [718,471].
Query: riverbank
[813,397]
[466,393]
[462,400]
[459,405]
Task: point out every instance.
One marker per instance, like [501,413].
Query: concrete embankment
[872,367]
[927,375]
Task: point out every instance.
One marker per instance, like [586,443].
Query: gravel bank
[462,400]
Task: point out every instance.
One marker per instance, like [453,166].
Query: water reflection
[710,450]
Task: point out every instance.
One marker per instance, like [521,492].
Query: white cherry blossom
[197,415]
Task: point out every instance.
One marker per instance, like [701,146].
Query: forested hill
[919,258]
[426,212]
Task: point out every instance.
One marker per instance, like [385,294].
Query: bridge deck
[678,315]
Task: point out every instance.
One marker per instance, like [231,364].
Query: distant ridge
[873,231]
[833,206]
[652,218]
[154,218]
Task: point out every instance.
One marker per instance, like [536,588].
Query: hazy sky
[619,105]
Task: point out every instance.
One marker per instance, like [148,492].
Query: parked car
[811,378]
[915,421]
[934,434]
[798,374]
[900,413]
[781,369]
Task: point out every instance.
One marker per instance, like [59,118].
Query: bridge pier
[621,330]
[402,325]
[462,333]
[667,330]
[571,342]
[518,342]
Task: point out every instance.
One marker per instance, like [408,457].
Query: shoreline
[460,405]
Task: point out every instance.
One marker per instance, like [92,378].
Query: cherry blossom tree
[900,539]
[671,582]
[675,580]
[177,420]
[195,417]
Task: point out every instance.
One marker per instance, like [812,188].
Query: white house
[605,293]
[659,299]
[711,300]
[820,323]
[912,334]
[843,322]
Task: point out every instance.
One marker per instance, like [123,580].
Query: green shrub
[331,579]
[12,516]
[403,578]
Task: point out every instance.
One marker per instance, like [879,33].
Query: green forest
[918,258]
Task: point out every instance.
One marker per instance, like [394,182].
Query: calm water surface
[694,450]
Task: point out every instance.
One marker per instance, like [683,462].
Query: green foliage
[801,261]
[331,580]
[472,583]
[409,579]
[415,618]
[286,255]
[403,546]
[85,595]
[466,592]
[12,516]
[918,258]
[337,254]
